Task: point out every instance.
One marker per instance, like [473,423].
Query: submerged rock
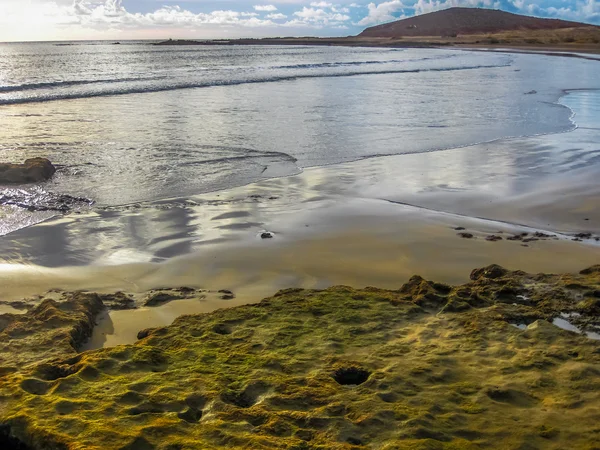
[427,366]
[159,297]
[493,238]
[37,199]
[33,170]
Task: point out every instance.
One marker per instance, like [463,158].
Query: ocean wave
[361,63]
[232,82]
[70,83]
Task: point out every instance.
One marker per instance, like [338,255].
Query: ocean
[142,123]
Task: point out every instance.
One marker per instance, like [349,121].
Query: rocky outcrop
[428,366]
[51,329]
[33,170]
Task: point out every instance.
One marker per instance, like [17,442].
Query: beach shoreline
[347,224]
[563,49]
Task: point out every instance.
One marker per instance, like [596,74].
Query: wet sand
[373,222]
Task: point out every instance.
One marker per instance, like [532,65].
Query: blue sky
[22,20]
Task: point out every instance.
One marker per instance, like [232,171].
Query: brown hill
[460,21]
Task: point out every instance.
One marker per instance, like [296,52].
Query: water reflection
[496,180]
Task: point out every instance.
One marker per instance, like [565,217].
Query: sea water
[137,122]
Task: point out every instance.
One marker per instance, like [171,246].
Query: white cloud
[276,16]
[81,8]
[382,12]
[320,16]
[111,19]
[267,8]
[114,8]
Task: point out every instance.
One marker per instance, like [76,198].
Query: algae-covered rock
[51,329]
[340,368]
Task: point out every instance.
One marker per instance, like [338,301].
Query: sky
[41,20]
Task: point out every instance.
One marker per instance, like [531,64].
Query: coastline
[105,312]
[562,49]
[354,224]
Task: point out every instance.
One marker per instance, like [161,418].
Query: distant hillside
[461,21]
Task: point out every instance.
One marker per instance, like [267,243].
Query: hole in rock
[248,397]
[191,415]
[51,372]
[221,328]
[8,442]
[351,375]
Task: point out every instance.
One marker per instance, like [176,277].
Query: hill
[461,21]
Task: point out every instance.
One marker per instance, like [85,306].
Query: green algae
[429,366]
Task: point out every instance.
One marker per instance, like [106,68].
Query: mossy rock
[428,366]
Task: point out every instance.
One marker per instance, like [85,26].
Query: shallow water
[563,322]
[137,123]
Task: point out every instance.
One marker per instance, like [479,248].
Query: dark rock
[531,239]
[517,237]
[118,301]
[540,235]
[33,170]
[493,238]
[266,235]
[493,271]
[227,294]
[590,270]
[460,228]
[583,235]
[39,200]
[465,235]
[145,333]
[160,298]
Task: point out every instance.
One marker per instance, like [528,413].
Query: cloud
[382,12]
[123,19]
[114,8]
[320,17]
[276,16]
[267,8]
